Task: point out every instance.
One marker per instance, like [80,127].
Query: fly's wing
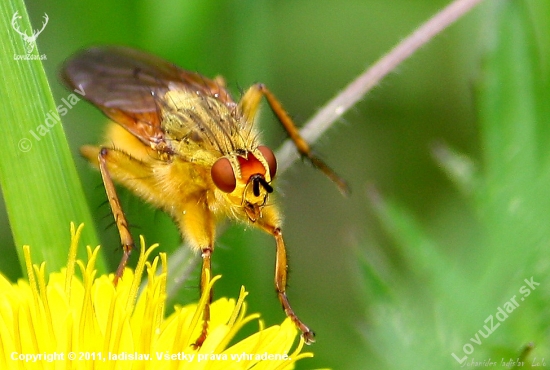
[126,84]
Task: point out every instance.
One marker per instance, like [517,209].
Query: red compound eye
[223,175]
[270,159]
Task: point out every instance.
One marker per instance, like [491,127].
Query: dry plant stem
[335,108]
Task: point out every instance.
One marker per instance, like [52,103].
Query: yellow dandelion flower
[66,323]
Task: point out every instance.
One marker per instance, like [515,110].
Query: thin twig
[355,91]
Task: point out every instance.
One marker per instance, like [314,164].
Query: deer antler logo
[30,41]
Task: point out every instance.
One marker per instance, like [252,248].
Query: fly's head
[245,177]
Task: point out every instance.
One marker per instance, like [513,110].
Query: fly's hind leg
[249,105]
[120,219]
[134,173]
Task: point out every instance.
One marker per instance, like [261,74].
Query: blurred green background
[396,283]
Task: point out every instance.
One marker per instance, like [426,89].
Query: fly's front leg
[249,105]
[120,219]
[281,268]
[198,227]
[270,218]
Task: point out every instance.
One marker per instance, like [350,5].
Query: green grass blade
[512,202]
[39,182]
